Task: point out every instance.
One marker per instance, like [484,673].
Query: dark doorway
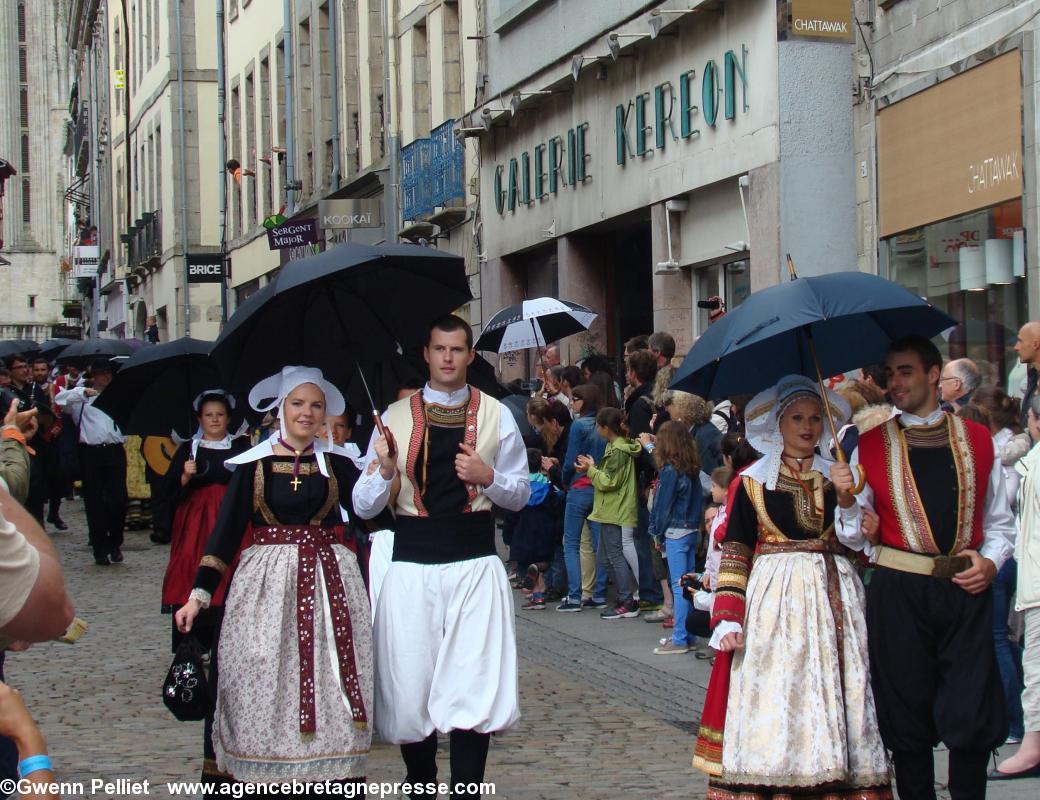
[633,285]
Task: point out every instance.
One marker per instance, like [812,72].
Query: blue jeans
[579,506]
[681,559]
[1009,654]
[649,586]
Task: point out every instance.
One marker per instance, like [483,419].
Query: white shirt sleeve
[998,523]
[721,630]
[71,398]
[371,492]
[511,487]
[848,522]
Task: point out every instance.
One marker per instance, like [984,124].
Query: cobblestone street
[602,716]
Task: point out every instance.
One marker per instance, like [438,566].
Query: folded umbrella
[154,391]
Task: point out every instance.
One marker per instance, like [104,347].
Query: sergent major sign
[642,124]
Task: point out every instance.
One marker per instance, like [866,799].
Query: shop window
[973,268]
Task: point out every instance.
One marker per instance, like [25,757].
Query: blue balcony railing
[432,173]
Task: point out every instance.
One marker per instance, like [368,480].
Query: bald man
[1028,348]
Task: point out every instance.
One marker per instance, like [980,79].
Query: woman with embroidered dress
[195,483]
[789,709]
[295,693]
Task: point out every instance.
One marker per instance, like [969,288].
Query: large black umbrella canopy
[353,303]
[533,323]
[83,353]
[18,347]
[53,347]
[153,392]
[850,317]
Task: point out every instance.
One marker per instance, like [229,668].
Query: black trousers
[935,678]
[104,495]
[468,758]
[46,483]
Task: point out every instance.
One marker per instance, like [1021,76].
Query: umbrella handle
[384,431]
[838,452]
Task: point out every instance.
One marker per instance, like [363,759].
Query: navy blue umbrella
[807,326]
[849,317]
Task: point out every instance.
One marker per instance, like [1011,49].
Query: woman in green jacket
[615,505]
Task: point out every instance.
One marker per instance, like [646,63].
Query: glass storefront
[973,268]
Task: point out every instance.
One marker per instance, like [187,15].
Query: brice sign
[673,111]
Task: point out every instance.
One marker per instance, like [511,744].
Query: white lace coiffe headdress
[763,413]
[281,384]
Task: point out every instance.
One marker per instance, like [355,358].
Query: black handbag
[186,690]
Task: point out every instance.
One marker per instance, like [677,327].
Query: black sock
[469,751]
[915,774]
[420,760]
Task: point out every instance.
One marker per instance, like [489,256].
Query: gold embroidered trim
[260,499]
[906,499]
[804,506]
[446,416]
[214,563]
[286,468]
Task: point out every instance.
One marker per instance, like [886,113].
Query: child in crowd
[676,519]
[537,529]
[615,505]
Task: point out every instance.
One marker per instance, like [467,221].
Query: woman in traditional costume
[295,647]
[195,483]
[789,709]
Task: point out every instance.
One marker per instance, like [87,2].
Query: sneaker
[1013,739]
[530,578]
[647,605]
[569,605]
[671,648]
[591,602]
[623,611]
[534,604]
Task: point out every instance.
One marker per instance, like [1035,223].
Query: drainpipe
[290,116]
[222,158]
[335,178]
[393,222]
[183,167]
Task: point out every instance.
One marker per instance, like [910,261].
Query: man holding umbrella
[945,530]
[103,460]
[445,649]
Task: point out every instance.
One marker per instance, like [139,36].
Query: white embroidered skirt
[256,734]
[445,649]
[798,716]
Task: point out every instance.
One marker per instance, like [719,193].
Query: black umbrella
[81,354]
[351,303]
[153,392]
[53,347]
[16,347]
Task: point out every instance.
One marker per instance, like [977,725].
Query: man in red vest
[945,528]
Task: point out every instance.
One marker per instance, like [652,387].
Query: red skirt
[193,523]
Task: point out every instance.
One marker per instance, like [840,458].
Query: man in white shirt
[444,639]
[103,462]
[945,529]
